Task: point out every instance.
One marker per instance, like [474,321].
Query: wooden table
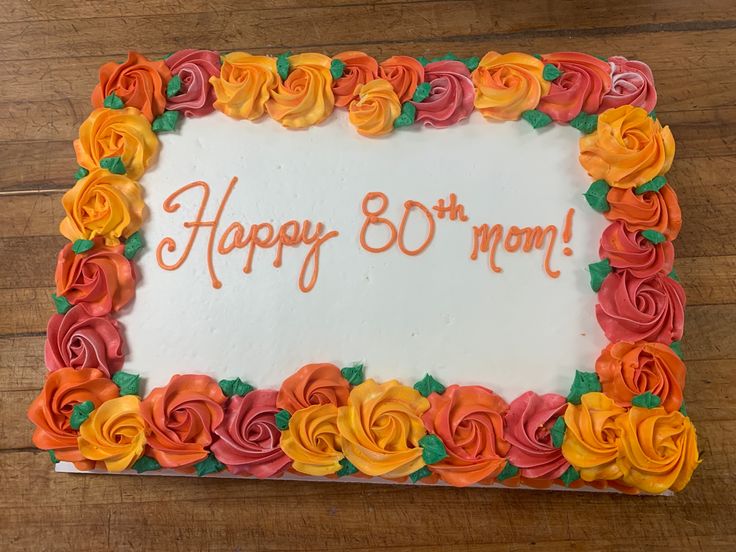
[49,55]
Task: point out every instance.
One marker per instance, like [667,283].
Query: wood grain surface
[49,55]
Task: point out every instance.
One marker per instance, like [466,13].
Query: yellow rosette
[376,109]
[381,427]
[506,85]
[628,148]
[591,438]
[102,204]
[244,85]
[114,433]
[305,98]
[313,441]
[123,133]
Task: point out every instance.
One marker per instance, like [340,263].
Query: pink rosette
[641,309]
[528,423]
[248,439]
[194,67]
[450,97]
[79,340]
[581,86]
[632,83]
[629,250]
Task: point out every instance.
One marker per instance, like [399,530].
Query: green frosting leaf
[52,455]
[408,113]
[683,410]
[146,463]
[354,374]
[235,387]
[61,303]
[550,72]
[337,66]
[81,173]
[80,246]
[423,60]
[584,382]
[471,63]
[421,93]
[128,383]
[654,185]
[597,196]
[209,465]
[347,468]
[674,275]
[166,122]
[174,86]
[428,385]
[646,400]
[570,475]
[113,164]
[538,56]
[112,101]
[449,56]
[558,432]
[602,58]
[132,245]
[585,122]
[282,419]
[421,473]
[536,118]
[508,471]
[653,114]
[433,449]
[677,347]
[80,412]
[598,273]
[282,65]
[654,236]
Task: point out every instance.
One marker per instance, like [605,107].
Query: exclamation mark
[567,231]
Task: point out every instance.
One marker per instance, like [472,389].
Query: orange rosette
[658,210]
[657,450]
[630,369]
[114,433]
[139,82]
[506,85]
[305,98]
[404,73]
[381,427]
[182,417]
[244,85]
[51,410]
[376,109]
[123,133]
[102,204]
[360,68]
[313,384]
[628,148]
[591,438]
[313,440]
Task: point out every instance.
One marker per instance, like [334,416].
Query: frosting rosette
[528,423]
[244,85]
[469,421]
[506,85]
[404,73]
[591,437]
[658,210]
[305,98]
[114,433]
[580,88]
[195,68]
[102,278]
[313,384]
[630,250]
[376,109]
[628,148]
[450,94]
[313,441]
[632,83]
[627,370]
[658,450]
[248,441]
[79,340]
[181,418]
[641,309]
[123,133]
[138,81]
[52,409]
[360,68]
[102,204]
[381,427]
